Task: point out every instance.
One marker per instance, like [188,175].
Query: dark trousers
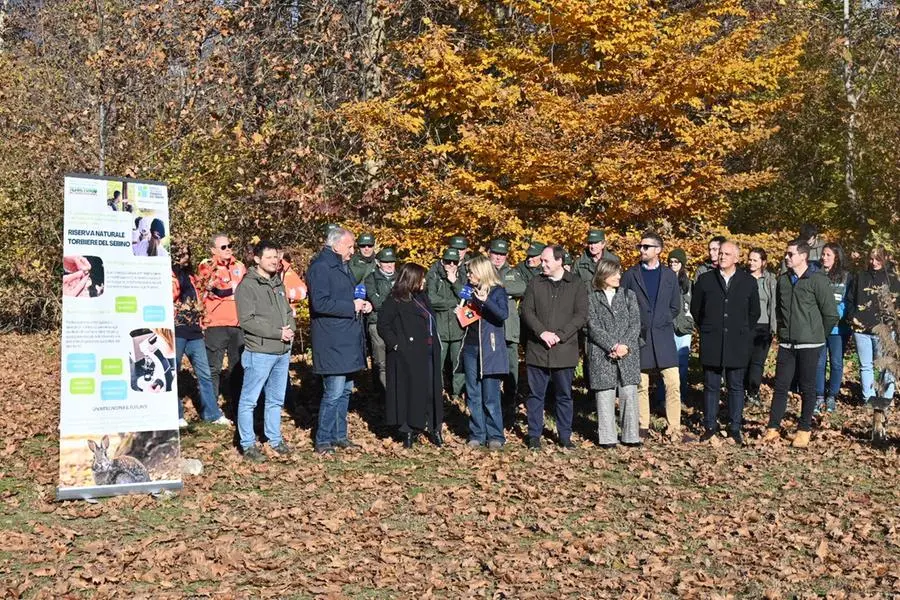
[802,362]
[222,341]
[759,351]
[712,380]
[511,381]
[538,380]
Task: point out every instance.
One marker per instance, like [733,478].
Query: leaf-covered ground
[660,521]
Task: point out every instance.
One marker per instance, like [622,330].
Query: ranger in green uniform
[443,283]
[594,250]
[363,262]
[515,290]
[531,267]
[378,286]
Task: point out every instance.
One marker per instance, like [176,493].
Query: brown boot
[801,440]
[770,436]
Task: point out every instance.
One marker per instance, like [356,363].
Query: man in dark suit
[659,298]
[725,307]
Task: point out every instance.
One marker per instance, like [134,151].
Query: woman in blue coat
[484,355]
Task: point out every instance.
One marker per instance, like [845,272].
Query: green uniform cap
[535,249]
[458,242]
[499,246]
[328,229]
[451,254]
[386,255]
[365,239]
[595,235]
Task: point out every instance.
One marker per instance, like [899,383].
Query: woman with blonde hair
[484,358]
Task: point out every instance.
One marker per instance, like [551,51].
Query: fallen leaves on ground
[665,520]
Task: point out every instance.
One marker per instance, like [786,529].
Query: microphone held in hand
[466,293]
[359,293]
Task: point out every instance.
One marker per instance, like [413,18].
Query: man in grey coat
[267,321]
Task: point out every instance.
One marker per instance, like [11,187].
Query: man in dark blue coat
[659,298]
[338,341]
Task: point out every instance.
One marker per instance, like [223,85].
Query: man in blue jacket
[659,298]
[338,341]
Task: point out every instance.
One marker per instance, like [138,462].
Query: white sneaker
[223,420]
[182,423]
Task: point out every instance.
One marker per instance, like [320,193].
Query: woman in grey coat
[614,326]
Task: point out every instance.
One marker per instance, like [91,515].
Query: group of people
[459,323]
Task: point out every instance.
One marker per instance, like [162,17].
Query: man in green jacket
[444,281]
[266,318]
[594,250]
[515,290]
[531,267]
[362,263]
[378,287]
[806,312]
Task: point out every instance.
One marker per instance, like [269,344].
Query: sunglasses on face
[225,247]
[450,262]
[365,246]
[790,254]
[646,246]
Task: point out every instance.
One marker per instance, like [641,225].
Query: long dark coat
[338,342]
[608,325]
[561,310]
[657,326]
[413,373]
[725,317]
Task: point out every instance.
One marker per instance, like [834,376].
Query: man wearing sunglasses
[806,312]
[362,263]
[443,283]
[659,298]
[219,276]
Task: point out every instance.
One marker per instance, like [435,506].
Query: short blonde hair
[487,274]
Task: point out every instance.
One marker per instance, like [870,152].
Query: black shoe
[346,445]
[253,454]
[567,445]
[325,449]
[709,434]
[282,449]
[737,437]
[611,446]
[644,433]
[436,438]
[533,443]
[409,439]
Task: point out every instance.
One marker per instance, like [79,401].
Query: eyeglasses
[225,247]
[366,246]
[790,254]
[451,262]
[646,246]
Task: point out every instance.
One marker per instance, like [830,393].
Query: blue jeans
[683,347]
[868,346]
[483,400]
[262,371]
[333,409]
[832,352]
[196,353]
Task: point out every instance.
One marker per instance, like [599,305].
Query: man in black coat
[725,307]
[659,298]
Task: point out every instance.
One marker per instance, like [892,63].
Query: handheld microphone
[466,294]
[359,293]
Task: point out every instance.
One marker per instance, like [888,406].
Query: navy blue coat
[657,326]
[494,312]
[338,342]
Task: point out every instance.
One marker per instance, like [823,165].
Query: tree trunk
[852,95]
[373,49]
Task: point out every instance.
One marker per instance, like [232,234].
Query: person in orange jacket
[219,277]
[294,286]
[189,334]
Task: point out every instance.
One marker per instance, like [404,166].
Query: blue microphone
[359,293]
[466,292]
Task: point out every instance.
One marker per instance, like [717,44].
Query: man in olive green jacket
[515,290]
[806,311]
[594,250]
[362,263]
[444,281]
[267,320]
[378,286]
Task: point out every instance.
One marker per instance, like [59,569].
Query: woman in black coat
[407,325]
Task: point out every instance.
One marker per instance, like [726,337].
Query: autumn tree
[549,115]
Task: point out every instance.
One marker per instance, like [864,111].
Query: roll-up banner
[118,425]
